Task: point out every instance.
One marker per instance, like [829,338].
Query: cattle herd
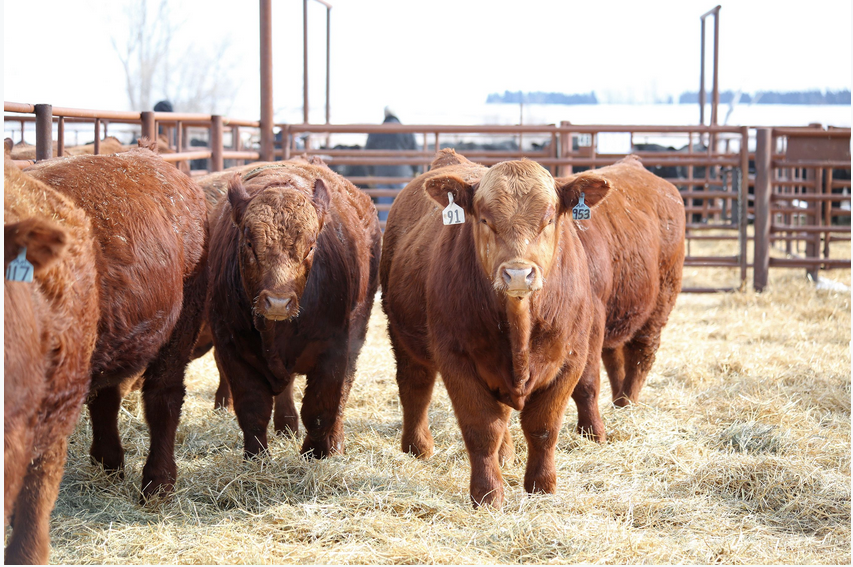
[511,284]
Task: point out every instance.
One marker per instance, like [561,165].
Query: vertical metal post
[702,74]
[715,97]
[44,131]
[743,203]
[216,161]
[286,142]
[813,219]
[305,62]
[97,136]
[763,190]
[267,149]
[565,149]
[328,59]
[60,136]
[149,126]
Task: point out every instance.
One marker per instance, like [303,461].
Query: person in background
[390,141]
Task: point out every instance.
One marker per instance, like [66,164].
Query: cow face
[278,229]
[516,209]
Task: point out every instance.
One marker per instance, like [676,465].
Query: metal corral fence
[793,183]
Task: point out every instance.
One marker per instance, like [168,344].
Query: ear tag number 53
[20,270]
[452,213]
[581,211]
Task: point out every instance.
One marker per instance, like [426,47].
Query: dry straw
[739,452]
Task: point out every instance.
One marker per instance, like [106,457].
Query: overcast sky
[440,52]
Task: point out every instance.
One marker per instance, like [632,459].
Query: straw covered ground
[738,453]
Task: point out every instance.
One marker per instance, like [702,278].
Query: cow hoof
[113,465]
[592,432]
[154,490]
[312,449]
[422,448]
[492,499]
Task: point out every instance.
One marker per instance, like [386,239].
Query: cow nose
[277,303]
[277,307]
[518,279]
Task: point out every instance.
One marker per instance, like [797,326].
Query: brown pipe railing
[717,207]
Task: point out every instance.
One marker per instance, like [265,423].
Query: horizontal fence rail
[792,183]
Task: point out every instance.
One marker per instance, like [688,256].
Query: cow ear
[321,199]
[593,186]
[238,197]
[45,242]
[463,192]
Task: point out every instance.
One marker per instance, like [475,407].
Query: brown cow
[50,326]
[635,247]
[294,259]
[150,226]
[215,187]
[510,306]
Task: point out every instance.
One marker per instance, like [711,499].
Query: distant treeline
[761,97]
[539,97]
[774,97]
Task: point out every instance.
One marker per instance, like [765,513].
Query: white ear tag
[452,213]
[20,270]
[581,211]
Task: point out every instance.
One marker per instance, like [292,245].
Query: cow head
[278,229]
[517,209]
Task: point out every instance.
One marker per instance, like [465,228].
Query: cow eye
[311,249]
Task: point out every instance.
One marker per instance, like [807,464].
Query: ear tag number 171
[20,270]
[581,211]
[452,213]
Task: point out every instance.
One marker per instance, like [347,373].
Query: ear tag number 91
[20,270]
[581,211]
[452,213]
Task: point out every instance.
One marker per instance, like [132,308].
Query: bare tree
[192,78]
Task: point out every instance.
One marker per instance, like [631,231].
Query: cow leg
[614,363]
[506,454]
[30,540]
[639,352]
[483,421]
[585,396]
[106,446]
[585,393]
[286,419]
[415,383]
[252,399]
[639,358]
[222,399]
[541,419]
[163,389]
[326,393]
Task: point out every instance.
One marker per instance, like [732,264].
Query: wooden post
[216,161]
[763,190]
[44,131]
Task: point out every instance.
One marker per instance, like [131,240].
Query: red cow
[294,256]
[511,306]
[150,225]
[50,326]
